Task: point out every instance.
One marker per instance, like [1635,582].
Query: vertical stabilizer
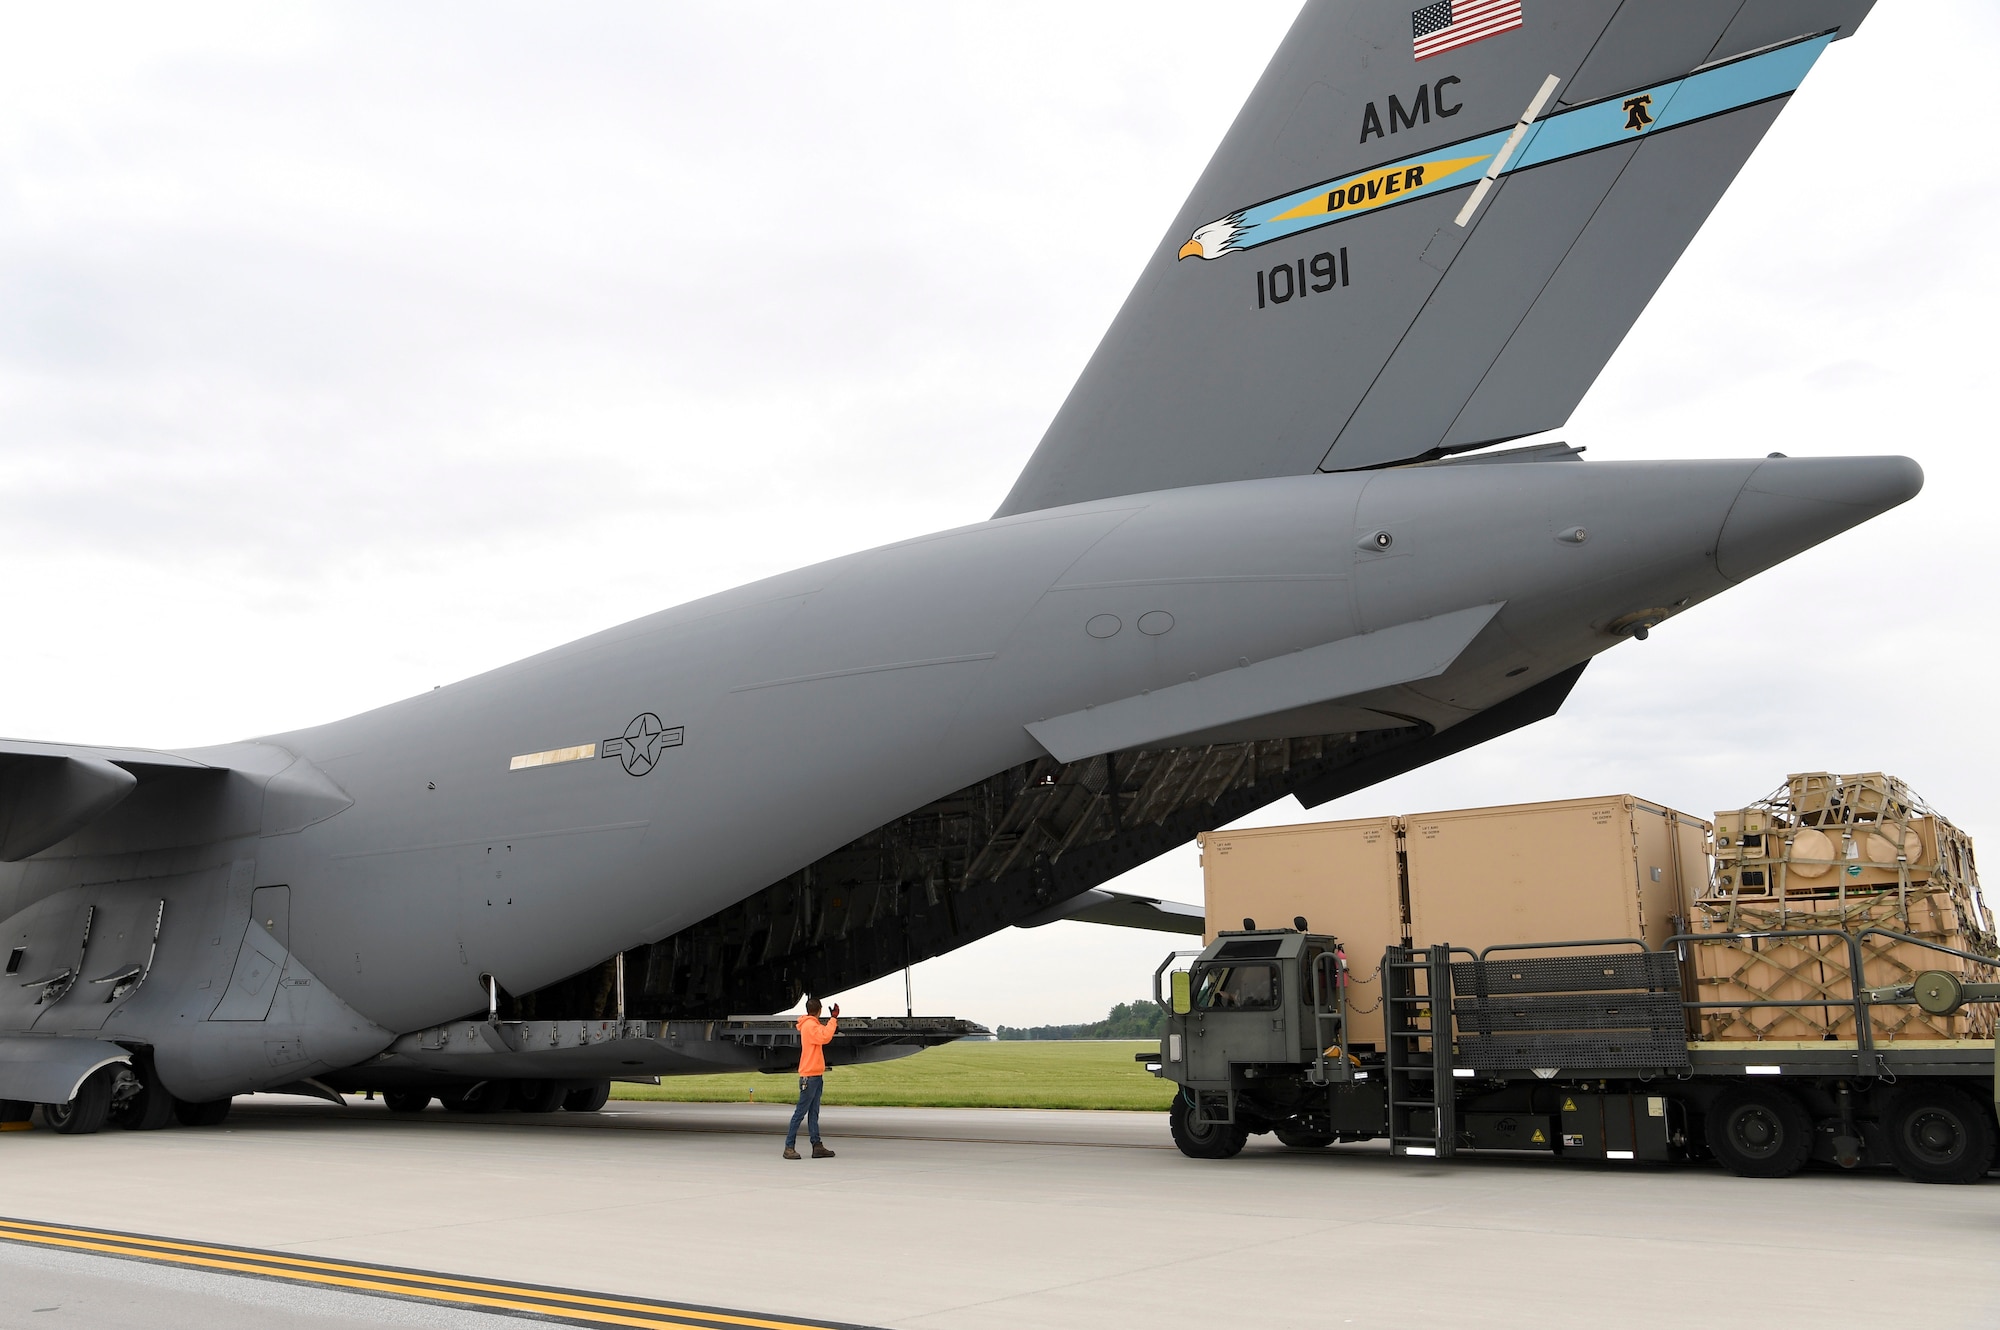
[1427,231]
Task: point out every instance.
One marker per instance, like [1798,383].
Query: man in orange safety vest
[815,1033]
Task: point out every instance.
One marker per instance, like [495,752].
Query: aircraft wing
[50,791]
[1122,909]
[1418,239]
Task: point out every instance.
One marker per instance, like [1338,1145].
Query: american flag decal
[1451,23]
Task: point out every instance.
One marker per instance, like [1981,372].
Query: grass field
[1004,1074]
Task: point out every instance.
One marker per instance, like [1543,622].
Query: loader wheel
[590,1099]
[1301,1140]
[1938,1134]
[208,1113]
[87,1111]
[1213,1140]
[406,1101]
[1759,1132]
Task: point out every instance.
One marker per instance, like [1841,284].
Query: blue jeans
[807,1108]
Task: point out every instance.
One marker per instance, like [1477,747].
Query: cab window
[1237,988]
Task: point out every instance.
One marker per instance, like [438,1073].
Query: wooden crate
[1813,794]
[1873,794]
[1829,860]
[1807,968]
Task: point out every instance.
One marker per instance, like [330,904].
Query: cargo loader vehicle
[1574,1050]
[1810,977]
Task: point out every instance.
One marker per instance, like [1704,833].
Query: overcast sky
[350,350]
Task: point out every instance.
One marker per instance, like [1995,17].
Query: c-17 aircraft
[1267,547]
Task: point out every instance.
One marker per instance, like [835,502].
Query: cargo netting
[1830,855]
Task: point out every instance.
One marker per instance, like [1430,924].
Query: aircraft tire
[485,1097]
[86,1112]
[149,1110]
[1759,1131]
[589,1099]
[1213,1140]
[1938,1133]
[406,1101]
[1301,1140]
[207,1113]
[15,1110]
[539,1096]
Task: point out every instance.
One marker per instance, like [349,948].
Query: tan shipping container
[1341,876]
[1610,867]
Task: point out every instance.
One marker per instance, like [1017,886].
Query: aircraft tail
[1427,231]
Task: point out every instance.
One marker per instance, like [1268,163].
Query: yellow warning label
[1569,1105]
[1538,1138]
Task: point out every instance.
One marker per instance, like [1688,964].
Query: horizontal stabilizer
[1123,910]
[46,799]
[46,1069]
[49,792]
[124,757]
[1361,664]
[121,800]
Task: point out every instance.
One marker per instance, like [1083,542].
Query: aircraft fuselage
[333,887]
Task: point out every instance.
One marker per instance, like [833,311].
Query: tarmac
[952,1219]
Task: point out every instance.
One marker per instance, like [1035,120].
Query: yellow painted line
[549,1303]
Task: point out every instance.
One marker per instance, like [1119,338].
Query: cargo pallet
[1573,1049]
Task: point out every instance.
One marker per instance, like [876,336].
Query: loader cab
[1246,1003]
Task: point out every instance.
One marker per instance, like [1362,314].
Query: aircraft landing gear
[150,1109]
[208,1114]
[139,1102]
[406,1101]
[588,1099]
[539,1096]
[86,1112]
[485,1097]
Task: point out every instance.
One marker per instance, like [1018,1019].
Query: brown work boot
[821,1152]
[790,1153]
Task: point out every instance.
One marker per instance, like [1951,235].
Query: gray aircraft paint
[322,893]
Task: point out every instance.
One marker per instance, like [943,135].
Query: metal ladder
[1416,1011]
[1329,977]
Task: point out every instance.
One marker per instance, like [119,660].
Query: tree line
[1128,1020]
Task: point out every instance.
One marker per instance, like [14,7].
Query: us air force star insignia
[638,749]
